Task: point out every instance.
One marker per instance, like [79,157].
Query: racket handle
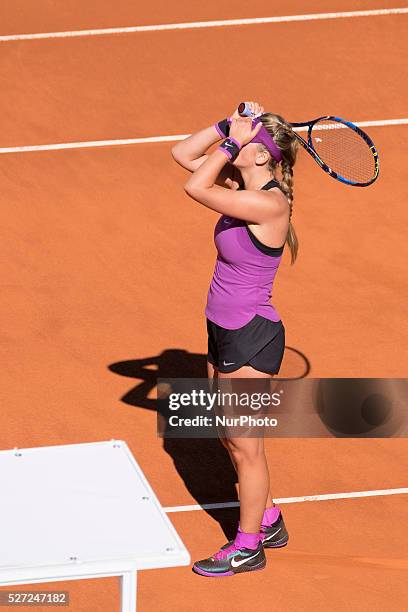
[244,110]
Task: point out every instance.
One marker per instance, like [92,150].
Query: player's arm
[253,206]
[188,153]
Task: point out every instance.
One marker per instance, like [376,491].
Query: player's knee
[245,453]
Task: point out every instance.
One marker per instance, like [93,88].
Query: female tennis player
[246,337]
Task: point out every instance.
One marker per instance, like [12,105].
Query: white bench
[81,511]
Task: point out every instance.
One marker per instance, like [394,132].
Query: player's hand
[241,130]
[256,109]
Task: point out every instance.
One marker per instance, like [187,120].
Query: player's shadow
[202,463]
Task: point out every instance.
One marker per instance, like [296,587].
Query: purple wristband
[222,127]
[230,147]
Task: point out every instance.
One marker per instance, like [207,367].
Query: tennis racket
[340,148]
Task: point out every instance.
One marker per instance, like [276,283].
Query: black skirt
[260,344]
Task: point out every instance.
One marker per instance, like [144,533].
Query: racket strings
[343,150]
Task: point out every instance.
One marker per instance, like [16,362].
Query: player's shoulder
[275,199]
[276,192]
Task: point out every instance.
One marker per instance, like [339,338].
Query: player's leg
[272,523]
[245,553]
[249,459]
[212,371]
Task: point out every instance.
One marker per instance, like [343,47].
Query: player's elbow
[188,188]
[191,188]
[177,155]
[174,153]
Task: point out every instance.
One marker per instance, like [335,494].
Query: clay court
[106,264]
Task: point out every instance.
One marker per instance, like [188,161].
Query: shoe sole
[254,568]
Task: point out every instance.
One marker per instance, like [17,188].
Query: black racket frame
[308,146]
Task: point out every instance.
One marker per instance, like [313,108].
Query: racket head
[343,150]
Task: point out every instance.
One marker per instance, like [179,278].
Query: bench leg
[128,586]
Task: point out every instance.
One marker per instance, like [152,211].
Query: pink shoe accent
[223,554]
[242,540]
[247,540]
[270,516]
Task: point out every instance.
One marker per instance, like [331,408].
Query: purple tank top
[245,269]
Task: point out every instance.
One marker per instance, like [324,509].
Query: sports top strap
[269,185]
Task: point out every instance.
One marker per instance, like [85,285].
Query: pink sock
[247,540]
[270,516]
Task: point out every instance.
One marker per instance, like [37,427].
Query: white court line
[174,138]
[293,500]
[205,24]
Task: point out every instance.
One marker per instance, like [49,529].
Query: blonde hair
[283,135]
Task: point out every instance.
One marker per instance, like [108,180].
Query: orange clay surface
[106,264]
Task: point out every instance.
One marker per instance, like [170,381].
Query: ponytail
[287,188]
[283,135]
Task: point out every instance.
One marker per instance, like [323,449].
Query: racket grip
[244,110]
